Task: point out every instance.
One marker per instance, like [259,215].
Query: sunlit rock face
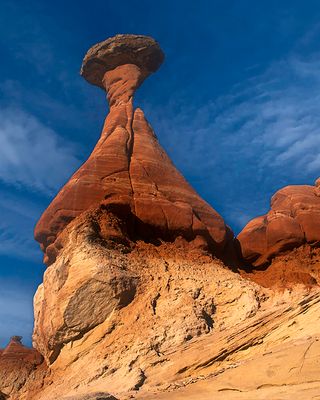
[156,319]
[106,315]
[128,169]
[293,221]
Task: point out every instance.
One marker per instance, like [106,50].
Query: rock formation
[105,316]
[116,239]
[136,301]
[17,364]
[128,172]
[293,221]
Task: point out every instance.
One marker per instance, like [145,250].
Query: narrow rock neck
[121,83]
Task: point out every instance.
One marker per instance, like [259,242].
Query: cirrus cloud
[239,148]
[32,155]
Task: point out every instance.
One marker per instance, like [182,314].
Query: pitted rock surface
[142,51]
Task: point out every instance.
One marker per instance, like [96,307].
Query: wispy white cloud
[17,204]
[79,104]
[17,241]
[31,154]
[18,217]
[34,161]
[241,147]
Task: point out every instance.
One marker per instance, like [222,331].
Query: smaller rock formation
[293,220]
[17,364]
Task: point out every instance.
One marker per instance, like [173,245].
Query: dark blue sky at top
[235,104]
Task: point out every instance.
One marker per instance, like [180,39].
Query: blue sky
[236,105]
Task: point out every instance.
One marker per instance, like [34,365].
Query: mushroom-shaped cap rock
[140,50]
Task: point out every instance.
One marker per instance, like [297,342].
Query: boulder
[293,220]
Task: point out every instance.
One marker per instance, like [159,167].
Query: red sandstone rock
[294,219]
[16,351]
[17,362]
[297,266]
[128,170]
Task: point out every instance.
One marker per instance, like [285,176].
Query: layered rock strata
[17,365]
[293,221]
[107,317]
[128,171]
[162,321]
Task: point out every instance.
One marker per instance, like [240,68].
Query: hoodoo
[117,236]
[128,172]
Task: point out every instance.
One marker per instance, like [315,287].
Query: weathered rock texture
[139,50]
[92,396]
[18,364]
[168,322]
[107,317]
[300,265]
[294,220]
[128,170]
[272,355]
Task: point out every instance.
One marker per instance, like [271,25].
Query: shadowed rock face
[293,220]
[91,396]
[128,170]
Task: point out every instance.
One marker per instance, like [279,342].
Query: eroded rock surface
[298,266]
[106,316]
[128,169]
[273,355]
[17,364]
[191,325]
[293,221]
